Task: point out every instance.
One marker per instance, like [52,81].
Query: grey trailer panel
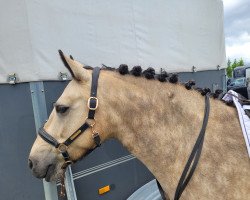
[109,150]
[109,164]
[214,79]
[17,134]
[124,179]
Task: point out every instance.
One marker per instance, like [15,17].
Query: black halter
[89,123]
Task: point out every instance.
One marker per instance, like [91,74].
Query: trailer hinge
[63,76]
[12,79]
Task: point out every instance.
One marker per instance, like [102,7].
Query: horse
[158,122]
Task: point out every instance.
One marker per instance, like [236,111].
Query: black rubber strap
[76,134]
[47,137]
[195,154]
[161,190]
[93,92]
[189,176]
[97,139]
[65,155]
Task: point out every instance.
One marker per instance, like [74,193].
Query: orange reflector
[105,189]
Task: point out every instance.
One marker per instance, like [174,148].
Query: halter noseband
[89,123]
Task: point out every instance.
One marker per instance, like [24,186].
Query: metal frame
[40,116]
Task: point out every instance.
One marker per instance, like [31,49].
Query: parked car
[236,83]
[239,85]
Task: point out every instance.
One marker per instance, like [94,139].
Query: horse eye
[61,109]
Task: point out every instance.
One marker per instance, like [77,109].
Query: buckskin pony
[156,121]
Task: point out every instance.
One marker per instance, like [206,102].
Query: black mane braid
[149,73]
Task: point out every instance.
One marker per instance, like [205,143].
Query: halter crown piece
[89,123]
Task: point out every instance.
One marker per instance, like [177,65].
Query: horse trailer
[184,37]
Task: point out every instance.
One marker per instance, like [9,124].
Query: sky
[237,29]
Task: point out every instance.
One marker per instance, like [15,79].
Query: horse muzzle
[42,168]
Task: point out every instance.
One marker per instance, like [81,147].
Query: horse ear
[75,68]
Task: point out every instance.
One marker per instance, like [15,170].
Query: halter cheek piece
[89,123]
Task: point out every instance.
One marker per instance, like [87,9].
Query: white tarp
[169,34]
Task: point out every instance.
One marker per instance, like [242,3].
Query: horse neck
[155,121]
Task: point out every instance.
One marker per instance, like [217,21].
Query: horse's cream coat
[158,123]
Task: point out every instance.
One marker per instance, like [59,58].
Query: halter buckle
[91,122]
[96,138]
[62,148]
[95,134]
[96,105]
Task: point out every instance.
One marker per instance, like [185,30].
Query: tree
[229,62]
[235,64]
[241,62]
[231,66]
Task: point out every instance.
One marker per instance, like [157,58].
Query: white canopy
[174,35]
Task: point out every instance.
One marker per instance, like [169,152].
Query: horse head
[70,112]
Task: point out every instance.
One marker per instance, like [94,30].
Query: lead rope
[194,156]
[62,180]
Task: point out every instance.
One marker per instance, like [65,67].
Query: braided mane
[163,76]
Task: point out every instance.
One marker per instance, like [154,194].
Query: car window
[240,81]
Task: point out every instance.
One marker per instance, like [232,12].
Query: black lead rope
[195,154]
[162,193]
[193,158]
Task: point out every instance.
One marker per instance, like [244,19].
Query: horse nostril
[30,164]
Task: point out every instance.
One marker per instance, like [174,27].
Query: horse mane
[163,76]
